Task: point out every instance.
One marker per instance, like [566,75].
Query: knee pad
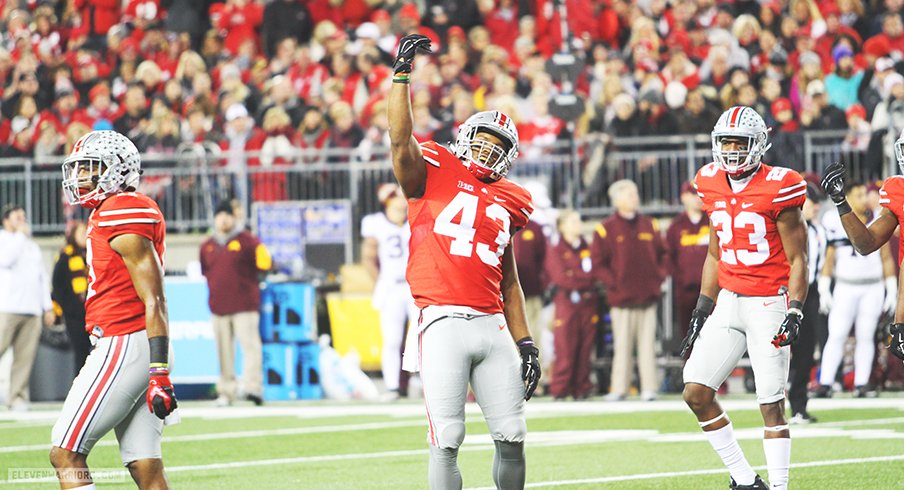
[510,429]
[451,436]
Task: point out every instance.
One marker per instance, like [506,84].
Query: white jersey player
[861,283]
[385,254]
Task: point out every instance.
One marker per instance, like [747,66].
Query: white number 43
[462,232]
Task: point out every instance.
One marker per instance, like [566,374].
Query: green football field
[857,444]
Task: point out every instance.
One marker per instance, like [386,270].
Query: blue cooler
[288,313]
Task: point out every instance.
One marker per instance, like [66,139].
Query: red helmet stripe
[502,119]
[734,116]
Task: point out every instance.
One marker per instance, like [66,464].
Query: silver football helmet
[487,161]
[740,122]
[899,151]
[102,163]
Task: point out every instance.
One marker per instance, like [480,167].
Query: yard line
[598,436]
[246,434]
[712,471]
[424,452]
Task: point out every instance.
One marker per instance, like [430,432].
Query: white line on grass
[712,471]
[424,452]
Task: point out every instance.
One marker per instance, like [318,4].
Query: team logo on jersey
[466,186]
[719,205]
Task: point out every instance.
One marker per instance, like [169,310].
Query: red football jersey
[891,196]
[459,231]
[753,261]
[111,302]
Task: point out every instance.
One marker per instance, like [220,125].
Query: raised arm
[865,240]
[407,159]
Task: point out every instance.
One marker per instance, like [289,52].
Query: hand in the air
[833,182]
[408,48]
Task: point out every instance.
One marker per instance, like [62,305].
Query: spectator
[97,17]
[345,133]
[240,136]
[285,19]
[135,117]
[859,131]
[70,286]
[239,19]
[802,352]
[787,142]
[569,268]
[231,260]
[24,301]
[843,83]
[270,184]
[629,259]
[818,114]
[687,242]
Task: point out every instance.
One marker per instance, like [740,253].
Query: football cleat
[824,391]
[865,391]
[758,484]
[802,418]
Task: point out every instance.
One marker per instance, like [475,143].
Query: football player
[124,384]
[867,240]
[861,283]
[463,213]
[753,287]
[384,252]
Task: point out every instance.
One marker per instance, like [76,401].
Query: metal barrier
[191,182]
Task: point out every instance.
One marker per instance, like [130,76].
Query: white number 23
[725,230]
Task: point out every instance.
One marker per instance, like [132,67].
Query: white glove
[824,286]
[891,295]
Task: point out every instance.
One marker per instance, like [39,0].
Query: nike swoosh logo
[502,327]
[499,200]
[768,303]
[746,205]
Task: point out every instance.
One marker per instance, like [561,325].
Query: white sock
[778,460]
[86,487]
[725,444]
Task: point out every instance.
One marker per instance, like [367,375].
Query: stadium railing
[189,183]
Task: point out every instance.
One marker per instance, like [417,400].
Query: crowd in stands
[281,75]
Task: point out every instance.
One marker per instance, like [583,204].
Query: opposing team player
[861,283]
[124,385]
[384,252]
[867,240]
[755,276]
[463,213]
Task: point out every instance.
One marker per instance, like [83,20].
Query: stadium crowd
[281,75]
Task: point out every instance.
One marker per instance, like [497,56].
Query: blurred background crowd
[307,74]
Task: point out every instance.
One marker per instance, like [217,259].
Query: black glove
[789,329]
[897,340]
[530,365]
[698,318]
[408,47]
[833,184]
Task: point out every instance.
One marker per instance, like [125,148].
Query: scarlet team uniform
[891,196]
[109,391]
[753,277]
[459,231]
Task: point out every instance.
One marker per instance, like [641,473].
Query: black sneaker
[865,391]
[758,484]
[258,401]
[824,391]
